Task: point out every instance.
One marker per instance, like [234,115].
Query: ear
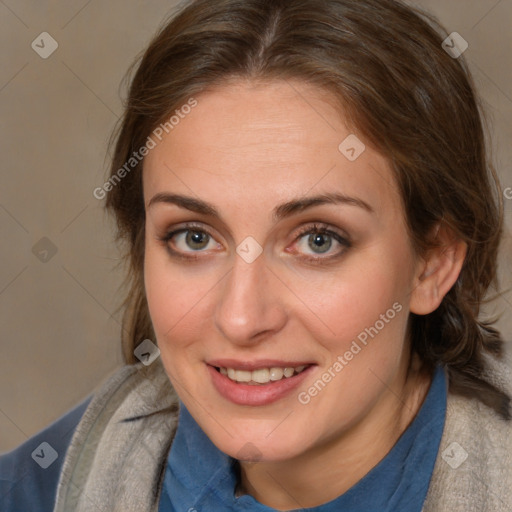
[437,271]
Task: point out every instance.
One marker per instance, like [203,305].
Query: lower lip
[261,394]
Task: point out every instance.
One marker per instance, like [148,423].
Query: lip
[255,395]
[256,365]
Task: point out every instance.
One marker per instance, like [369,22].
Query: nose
[251,306]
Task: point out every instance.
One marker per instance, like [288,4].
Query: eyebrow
[279,212]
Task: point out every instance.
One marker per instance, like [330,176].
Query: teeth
[243,376]
[276,373]
[262,375]
[288,372]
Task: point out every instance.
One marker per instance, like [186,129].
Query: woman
[311,226]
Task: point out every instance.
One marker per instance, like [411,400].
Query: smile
[257,384]
[261,375]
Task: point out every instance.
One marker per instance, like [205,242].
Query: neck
[329,470]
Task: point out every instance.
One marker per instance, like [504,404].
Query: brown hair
[384,61]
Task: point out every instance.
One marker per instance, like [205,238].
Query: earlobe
[438,271]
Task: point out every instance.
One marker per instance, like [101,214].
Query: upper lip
[256,365]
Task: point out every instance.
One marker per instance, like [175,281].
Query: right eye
[188,240]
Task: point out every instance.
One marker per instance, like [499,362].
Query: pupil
[197,240]
[318,241]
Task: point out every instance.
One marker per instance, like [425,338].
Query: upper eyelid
[339,235]
[170,233]
[187,227]
[322,227]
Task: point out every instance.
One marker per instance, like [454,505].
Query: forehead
[270,142]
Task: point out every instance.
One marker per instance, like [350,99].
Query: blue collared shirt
[28,480]
[201,478]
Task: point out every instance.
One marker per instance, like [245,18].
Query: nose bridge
[249,303]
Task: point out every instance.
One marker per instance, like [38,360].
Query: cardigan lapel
[118,454]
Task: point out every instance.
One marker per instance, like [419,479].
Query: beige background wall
[58,287]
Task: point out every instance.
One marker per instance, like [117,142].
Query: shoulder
[29,473]
[473,470]
[133,391]
[120,446]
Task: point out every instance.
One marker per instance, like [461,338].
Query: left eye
[320,241]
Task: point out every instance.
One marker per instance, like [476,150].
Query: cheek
[363,347]
[177,299]
[361,314]
[367,303]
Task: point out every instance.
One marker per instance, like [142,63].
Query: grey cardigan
[118,453]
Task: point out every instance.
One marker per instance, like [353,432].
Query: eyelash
[317,229]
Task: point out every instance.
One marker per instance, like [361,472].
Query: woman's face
[270,246]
